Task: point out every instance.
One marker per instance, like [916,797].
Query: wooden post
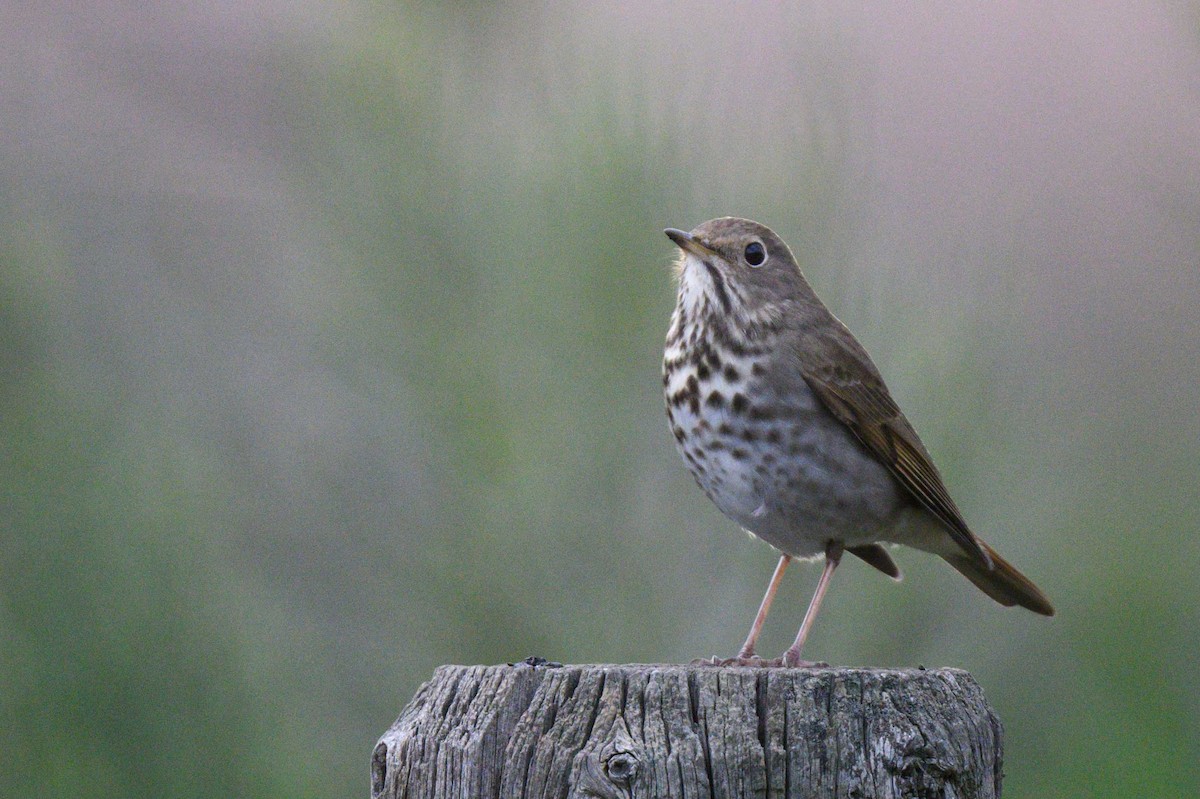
[544,730]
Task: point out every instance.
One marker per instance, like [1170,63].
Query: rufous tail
[1002,583]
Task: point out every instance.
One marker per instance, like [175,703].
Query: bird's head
[739,269]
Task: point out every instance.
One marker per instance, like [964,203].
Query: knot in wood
[610,771]
[621,766]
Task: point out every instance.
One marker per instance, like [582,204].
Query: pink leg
[833,555]
[747,651]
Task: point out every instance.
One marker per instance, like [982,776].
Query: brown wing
[875,555]
[854,392]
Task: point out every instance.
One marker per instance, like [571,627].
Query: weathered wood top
[691,731]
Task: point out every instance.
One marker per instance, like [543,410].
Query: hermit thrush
[788,427]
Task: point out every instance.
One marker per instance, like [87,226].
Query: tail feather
[1002,582]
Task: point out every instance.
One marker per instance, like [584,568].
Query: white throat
[696,289]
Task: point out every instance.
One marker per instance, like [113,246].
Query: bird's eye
[755,254]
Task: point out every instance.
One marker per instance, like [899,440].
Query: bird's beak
[689,243]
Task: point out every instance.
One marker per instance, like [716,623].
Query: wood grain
[691,731]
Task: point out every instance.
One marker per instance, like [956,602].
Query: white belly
[798,479]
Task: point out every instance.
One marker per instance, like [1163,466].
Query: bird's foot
[741,660]
[757,662]
[789,661]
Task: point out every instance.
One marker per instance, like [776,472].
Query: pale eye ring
[755,254]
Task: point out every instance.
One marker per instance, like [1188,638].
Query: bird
[787,426]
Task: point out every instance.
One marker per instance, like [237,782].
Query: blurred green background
[330,340]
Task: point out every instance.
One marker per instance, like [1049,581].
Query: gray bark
[691,731]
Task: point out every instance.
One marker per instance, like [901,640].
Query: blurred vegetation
[330,340]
